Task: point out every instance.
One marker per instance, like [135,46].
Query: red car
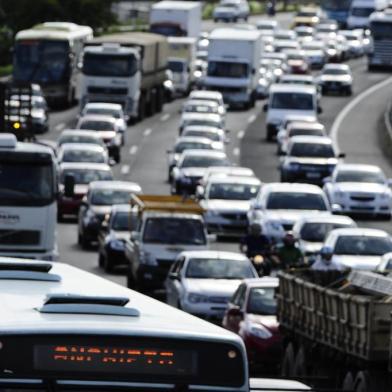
[297,62]
[83,174]
[251,313]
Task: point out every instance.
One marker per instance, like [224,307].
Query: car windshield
[182,146]
[227,70]
[312,150]
[203,161]
[233,191]
[318,231]
[121,222]
[360,176]
[85,176]
[104,111]
[335,71]
[362,12]
[79,139]
[214,136]
[108,197]
[174,231]
[96,125]
[219,269]
[305,132]
[292,101]
[363,245]
[262,301]
[73,155]
[295,201]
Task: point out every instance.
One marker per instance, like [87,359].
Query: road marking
[241,134]
[236,152]
[165,117]
[133,150]
[346,110]
[125,169]
[147,132]
[59,127]
[251,118]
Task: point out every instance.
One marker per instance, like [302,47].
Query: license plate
[313,175]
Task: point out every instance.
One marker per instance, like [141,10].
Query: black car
[97,203]
[115,229]
[309,159]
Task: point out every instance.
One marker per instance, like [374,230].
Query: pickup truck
[167,226]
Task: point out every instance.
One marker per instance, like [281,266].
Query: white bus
[63,328]
[28,199]
[48,54]
[381,32]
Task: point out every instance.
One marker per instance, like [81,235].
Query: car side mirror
[319,109]
[265,107]
[174,276]
[342,155]
[336,208]
[135,236]
[69,185]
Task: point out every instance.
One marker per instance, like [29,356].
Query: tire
[117,157]
[101,261]
[83,242]
[348,382]
[107,266]
[287,369]
[300,365]
[270,136]
[131,283]
[349,91]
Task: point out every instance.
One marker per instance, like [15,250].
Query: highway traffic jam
[296,268]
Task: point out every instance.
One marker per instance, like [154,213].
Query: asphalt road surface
[356,123]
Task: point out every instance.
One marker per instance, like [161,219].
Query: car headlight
[262,82]
[147,258]
[259,331]
[117,245]
[197,298]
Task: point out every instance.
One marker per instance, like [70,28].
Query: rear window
[312,150]
[295,201]
[292,101]
[98,125]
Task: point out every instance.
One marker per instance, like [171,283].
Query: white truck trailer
[233,64]
[176,18]
[126,68]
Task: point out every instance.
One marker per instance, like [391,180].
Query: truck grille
[19,237]
[108,90]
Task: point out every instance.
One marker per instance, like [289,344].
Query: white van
[361,10]
[288,100]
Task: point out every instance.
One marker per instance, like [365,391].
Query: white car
[286,35]
[267,26]
[231,11]
[79,136]
[354,42]
[205,119]
[359,248]
[191,168]
[336,77]
[203,282]
[279,206]
[217,135]
[114,110]
[189,143]
[311,231]
[82,152]
[385,263]
[208,95]
[360,190]
[226,201]
[226,171]
[315,51]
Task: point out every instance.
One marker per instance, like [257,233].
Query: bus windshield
[41,61]
[26,184]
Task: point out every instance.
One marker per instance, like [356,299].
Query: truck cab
[167,226]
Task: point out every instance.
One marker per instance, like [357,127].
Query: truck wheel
[300,368]
[287,369]
[348,382]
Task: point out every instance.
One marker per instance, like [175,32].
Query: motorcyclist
[288,254]
[325,261]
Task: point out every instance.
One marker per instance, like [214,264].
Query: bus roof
[55,31]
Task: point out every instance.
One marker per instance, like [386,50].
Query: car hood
[227,205]
[212,287]
[271,322]
[335,78]
[360,187]
[193,171]
[311,161]
[358,262]
[81,189]
[101,210]
[290,216]
[107,134]
[120,235]
[169,251]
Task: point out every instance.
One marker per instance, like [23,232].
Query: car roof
[321,218]
[80,132]
[82,146]
[131,186]
[102,105]
[204,102]
[358,167]
[84,165]
[98,117]
[201,116]
[195,139]
[292,88]
[359,231]
[202,128]
[292,187]
[215,254]
[336,66]
[225,179]
[205,93]
[311,139]
[306,125]
[212,153]
[296,77]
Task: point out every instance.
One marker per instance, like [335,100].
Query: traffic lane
[261,156]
